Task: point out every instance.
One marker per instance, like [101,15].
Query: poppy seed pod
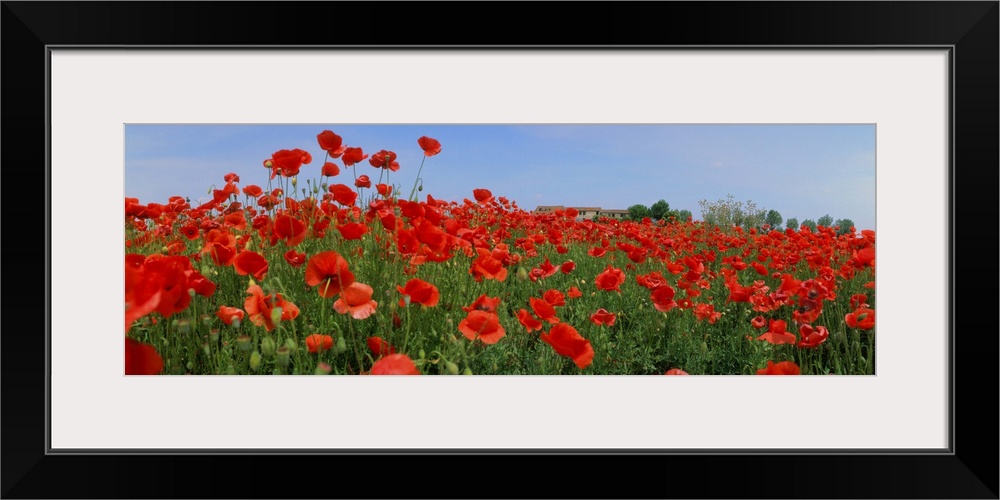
[283,356]
[243,342]
[254,361]
[267,345]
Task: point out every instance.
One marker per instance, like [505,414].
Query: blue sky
[802,171]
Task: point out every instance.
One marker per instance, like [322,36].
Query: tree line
[729,212]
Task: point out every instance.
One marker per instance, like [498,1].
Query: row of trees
[729,212]
[657,211]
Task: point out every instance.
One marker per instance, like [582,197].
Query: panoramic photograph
[562,249]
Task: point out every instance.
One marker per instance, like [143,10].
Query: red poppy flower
[758,322]
[290,229]
[528,321]
[543,309]
[430,146]
[782,368]
[356,299]
[252,190]
[597,252]
[603,317]
[190,231]
[574,293]
[707,311]
[482,195]
[330,169]
[863,318]
[610,280]
[248,262]
[663,298]
[287,162]
[812,337]
[232,177]
[343,194]
[485,266]
[384,189]
[228,314]
[362,182]
[379,347]
[776,334]
[260,307]
[352,156]
[567,267]
[352,230]
[221,245]
[141,359]
[330,272]
[482,325]
[554,297]
[384,159]
[651,280]
[568,342]
[676,371]
[332,143]
[859,300]
[295,259]
[419,292]
[395,364]
[318,342]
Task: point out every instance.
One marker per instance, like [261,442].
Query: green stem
[419,170]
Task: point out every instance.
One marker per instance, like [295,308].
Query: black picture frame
[969,470]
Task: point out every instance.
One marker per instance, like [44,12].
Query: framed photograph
[915,83]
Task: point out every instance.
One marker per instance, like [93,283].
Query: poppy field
[344,266]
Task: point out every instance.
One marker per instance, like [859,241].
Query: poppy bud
[190,365]
[452,367]
[254,361]
[291,344]
[267,164]
[522,273]
[243,342]
[213,335]
[276,315]
[191,292]
[206,349]
[268,346]
[341,345]
[284,355]
[422,354]
[323,369]
[231,370]
[468,371]
[183,325]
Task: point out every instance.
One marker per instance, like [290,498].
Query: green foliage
[811,224]
[773,218]
[659,210]
[825,221]
[792,223]
[728,213]
[684,215]
[845,226]
[638,212]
